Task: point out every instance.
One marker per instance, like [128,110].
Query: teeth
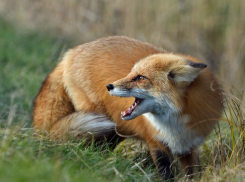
[131,109]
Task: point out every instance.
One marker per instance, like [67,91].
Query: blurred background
[34,34]
[213,31]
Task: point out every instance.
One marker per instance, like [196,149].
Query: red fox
[176,99]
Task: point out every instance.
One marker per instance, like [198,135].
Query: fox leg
[91,126]
[162,159]
[188,161]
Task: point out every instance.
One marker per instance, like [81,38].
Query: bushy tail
[90,126]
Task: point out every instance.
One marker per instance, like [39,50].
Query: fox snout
[110,87]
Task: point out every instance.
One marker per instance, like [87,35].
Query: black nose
[109,87]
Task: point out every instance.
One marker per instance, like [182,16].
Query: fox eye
[139,78]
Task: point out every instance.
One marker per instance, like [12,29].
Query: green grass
[28,158]
[25,60]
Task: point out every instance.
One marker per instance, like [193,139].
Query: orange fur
[77,86]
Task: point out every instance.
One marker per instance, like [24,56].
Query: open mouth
[129,111]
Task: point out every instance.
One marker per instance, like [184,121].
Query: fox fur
[180,99]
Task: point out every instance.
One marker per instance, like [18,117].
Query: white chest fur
[174,133]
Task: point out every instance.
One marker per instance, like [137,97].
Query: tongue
[128,112]
[131,109]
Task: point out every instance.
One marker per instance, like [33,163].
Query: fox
[117,87]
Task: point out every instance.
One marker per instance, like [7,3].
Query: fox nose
[110,87]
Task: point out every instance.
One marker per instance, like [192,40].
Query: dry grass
[210,30]
[223,158]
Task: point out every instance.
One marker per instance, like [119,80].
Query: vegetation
[26,58]
[36,34]
[210,30]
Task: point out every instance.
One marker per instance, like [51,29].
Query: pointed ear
[187,72]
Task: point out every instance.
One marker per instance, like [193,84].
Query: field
[34,37]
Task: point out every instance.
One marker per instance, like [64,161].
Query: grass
[25,59]
[25,157]
[210,30]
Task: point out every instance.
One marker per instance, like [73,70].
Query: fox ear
[187,72]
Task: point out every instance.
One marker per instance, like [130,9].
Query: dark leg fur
[164,165]
[188,161]
[162,162]
[112,141]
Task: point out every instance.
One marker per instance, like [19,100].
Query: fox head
[158,83]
